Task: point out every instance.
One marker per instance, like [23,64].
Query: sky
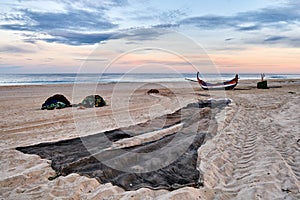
[90,36]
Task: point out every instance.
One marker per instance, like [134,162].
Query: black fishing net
[125,166]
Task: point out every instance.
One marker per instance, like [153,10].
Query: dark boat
[227,85]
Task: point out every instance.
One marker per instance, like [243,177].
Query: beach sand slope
[255,153]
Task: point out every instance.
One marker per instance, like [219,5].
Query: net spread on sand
[115,156]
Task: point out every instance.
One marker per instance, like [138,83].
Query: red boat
[227,85]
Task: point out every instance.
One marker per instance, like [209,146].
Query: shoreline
[241,81]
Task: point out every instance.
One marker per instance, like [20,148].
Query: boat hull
[227,85]
[221,87]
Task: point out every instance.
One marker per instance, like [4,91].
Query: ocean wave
[44,79]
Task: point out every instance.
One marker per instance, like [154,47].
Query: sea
[71,78]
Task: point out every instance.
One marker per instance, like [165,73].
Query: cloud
[82,22]
[171,16]
[278,40]
[259,19]
[91,59]
[59,5]
[77,38]
[71,20]
[229,48]
[87,22]
[140,34]
[160,62]
[229,39]
[275,38]
[255,27]
[96,5]
[249,28]
[14,49]
[165,26]
[209,22]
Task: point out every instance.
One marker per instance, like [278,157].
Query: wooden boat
[227,85]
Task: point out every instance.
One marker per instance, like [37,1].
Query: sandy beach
[252,153]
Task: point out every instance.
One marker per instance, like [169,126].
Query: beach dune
[253,152]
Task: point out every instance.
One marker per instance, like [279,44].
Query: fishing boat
[227,85]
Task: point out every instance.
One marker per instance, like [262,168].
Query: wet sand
[254,152]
